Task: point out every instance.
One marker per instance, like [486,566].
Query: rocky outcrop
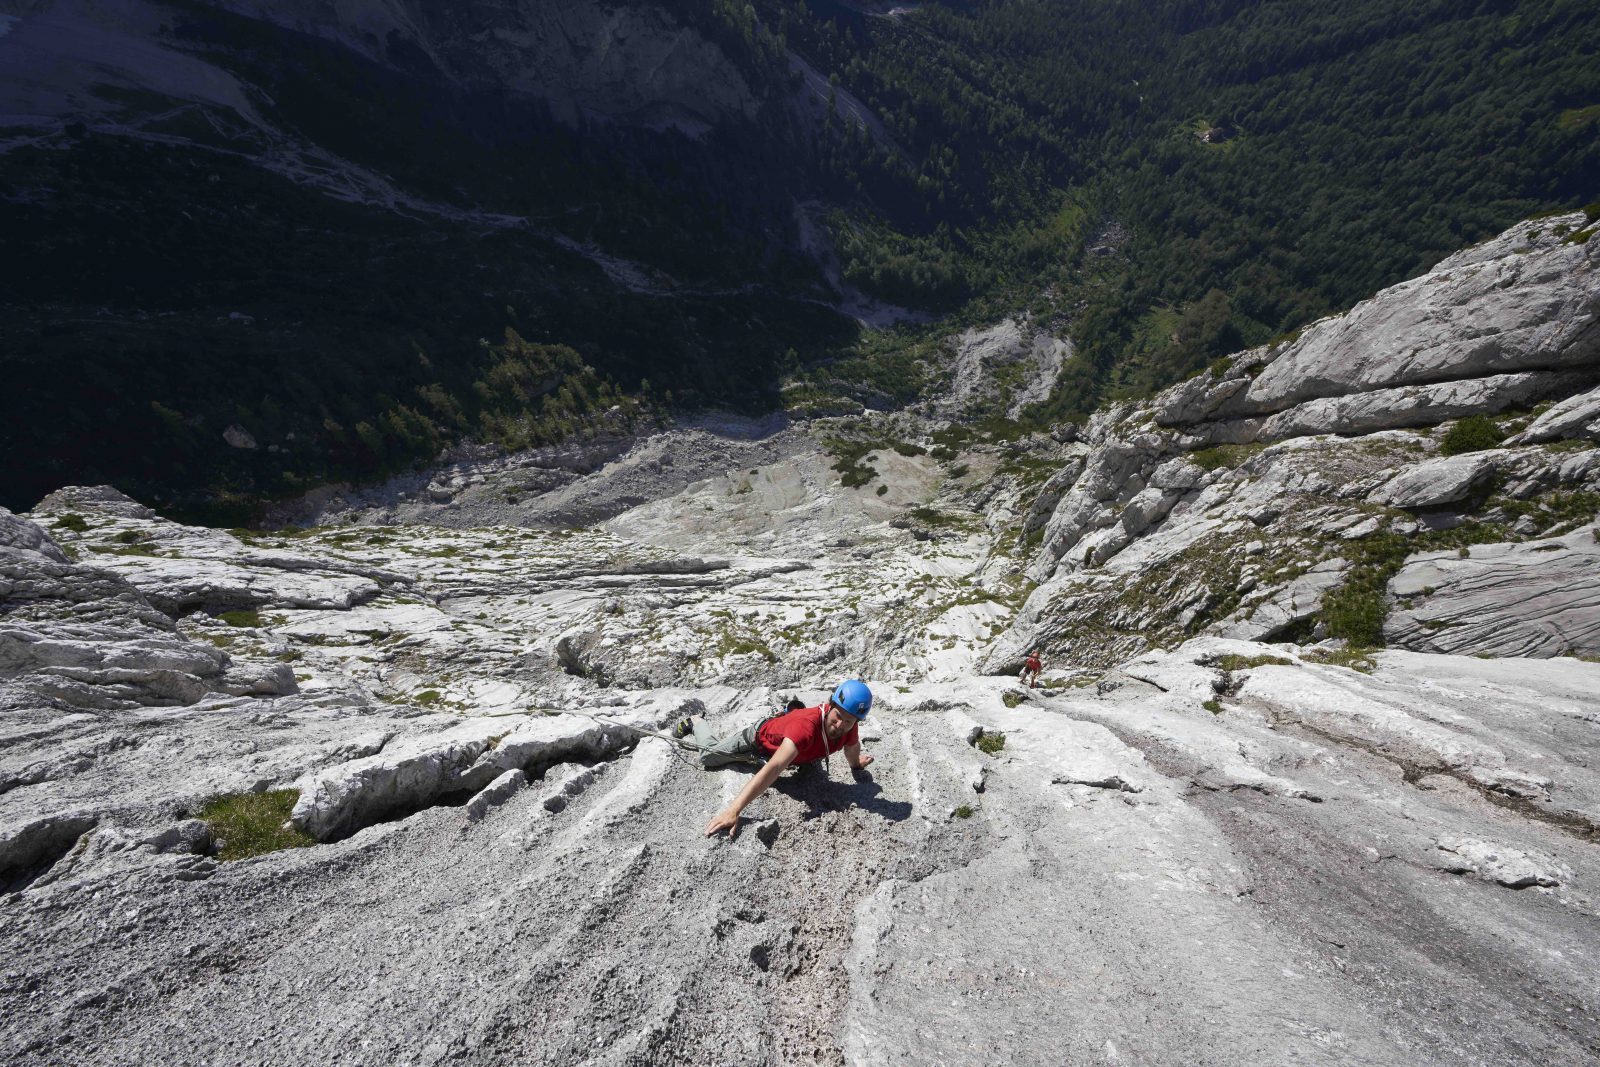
[1233,503]
[1539,598]
[1527,300]
[467,760]
[1434,483]
[1409,406]
[82,637]
[1575,417]
[180,570]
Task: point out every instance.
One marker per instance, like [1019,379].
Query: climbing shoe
[683,729]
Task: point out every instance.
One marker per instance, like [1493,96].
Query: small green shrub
[1245,663]
[253,824]
[1011,698]
[882,489]
[1472,434]
[933,517]
[1213,706]
[1569,444]
[124,550]
[427,698]
[990,744]
[129,537]
[75,523]
[250,618]
[1351,656]
[1218,456]
[963,812]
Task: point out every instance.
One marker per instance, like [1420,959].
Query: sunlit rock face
[1212,835]
[1231,503]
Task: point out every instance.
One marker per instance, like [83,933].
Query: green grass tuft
[427,698]
[1244,663]
[75,523]
[1219,456]
[1351,656]
[1011,699]
[249,617]
[253,824]
[963,812]
[991,744]
[1213,706]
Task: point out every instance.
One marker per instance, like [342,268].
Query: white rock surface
[1493,863]
[1515,303]
[1576,416]
[1434,483]
[1541,598]
[1198,850]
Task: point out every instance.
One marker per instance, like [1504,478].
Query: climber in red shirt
[1030,669]
[797,735]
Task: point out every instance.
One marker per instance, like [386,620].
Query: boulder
[1576,416]
[1437,483]
[1509,867]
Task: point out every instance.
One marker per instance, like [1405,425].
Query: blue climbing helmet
[853,698]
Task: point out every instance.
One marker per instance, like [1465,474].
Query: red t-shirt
[803,726]
[1033,664]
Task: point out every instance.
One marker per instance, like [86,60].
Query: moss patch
[253,824]
[1232,663]
[75,523]
[1218,456]
[249,618]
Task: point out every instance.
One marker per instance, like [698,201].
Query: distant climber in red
[1030,669]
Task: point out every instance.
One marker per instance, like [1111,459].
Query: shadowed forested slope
[1166,181]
